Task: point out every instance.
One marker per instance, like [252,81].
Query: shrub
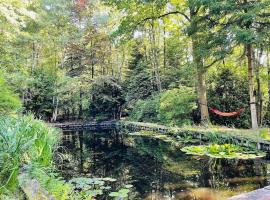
[8,101]
[176,106]
[107,98]
[24,143]
[146,110]
[228,92]
[172,107]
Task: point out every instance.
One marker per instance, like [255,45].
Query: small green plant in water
[122,193]
[90,188]
[229,151]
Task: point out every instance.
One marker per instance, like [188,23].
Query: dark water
[157,169]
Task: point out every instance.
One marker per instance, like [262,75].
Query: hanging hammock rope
[225,114]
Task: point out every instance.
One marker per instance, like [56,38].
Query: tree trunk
[80,105]
[155,57]
[92,60]
[164,47]
[268,80]
[202,96]
[252,97]
[55,110]
[258,80]
[198,62]
[201,84]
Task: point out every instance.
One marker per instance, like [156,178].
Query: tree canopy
[53,54]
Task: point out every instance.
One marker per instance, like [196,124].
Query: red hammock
[229,114]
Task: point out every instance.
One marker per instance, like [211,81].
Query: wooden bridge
[87,126]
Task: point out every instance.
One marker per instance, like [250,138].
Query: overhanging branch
[165,15]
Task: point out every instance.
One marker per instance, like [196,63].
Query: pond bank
[260,194]
[86,125]
[239,136]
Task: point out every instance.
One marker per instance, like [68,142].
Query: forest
[178,63]
[65,60]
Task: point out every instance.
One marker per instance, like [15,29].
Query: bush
[176,106]
[24,143]
[8,101]
[146,110]
[228,93]
[107,98]
[172,107]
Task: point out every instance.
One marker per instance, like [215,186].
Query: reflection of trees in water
[154,167]
[231,172]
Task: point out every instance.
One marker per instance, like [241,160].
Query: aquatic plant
[228,151]
[122,193]
[89,188]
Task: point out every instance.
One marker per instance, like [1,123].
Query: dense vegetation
[165,61]
[80,60]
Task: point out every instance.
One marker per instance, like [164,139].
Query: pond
[156,169]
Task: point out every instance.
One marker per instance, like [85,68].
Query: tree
[138,82]
[228,92]
[247,23]
[205,52]
[107,98]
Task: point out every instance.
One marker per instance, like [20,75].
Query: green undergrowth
[228,151]
[27,150]
[216,148]
[24,142]
[209,132]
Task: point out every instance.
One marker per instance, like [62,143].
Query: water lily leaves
[122,193]
[228,151]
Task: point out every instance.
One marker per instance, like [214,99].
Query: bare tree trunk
[92,60]
[80,105]
[164,47]
[55,110]
[121,66]
[154,57]
[33,57]
[258,80]
[267,117]
[268,80]
[252,97]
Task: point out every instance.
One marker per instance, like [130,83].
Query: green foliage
[228,92]
[23,142]
[49,180]
[42,88]
[8,100]
[172,107]
[107,98]
[90,188]
[146,110]
[176,106]
[265,134]
[138,81]
[122,193]
[228,151]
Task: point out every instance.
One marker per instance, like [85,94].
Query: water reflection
[157,169]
